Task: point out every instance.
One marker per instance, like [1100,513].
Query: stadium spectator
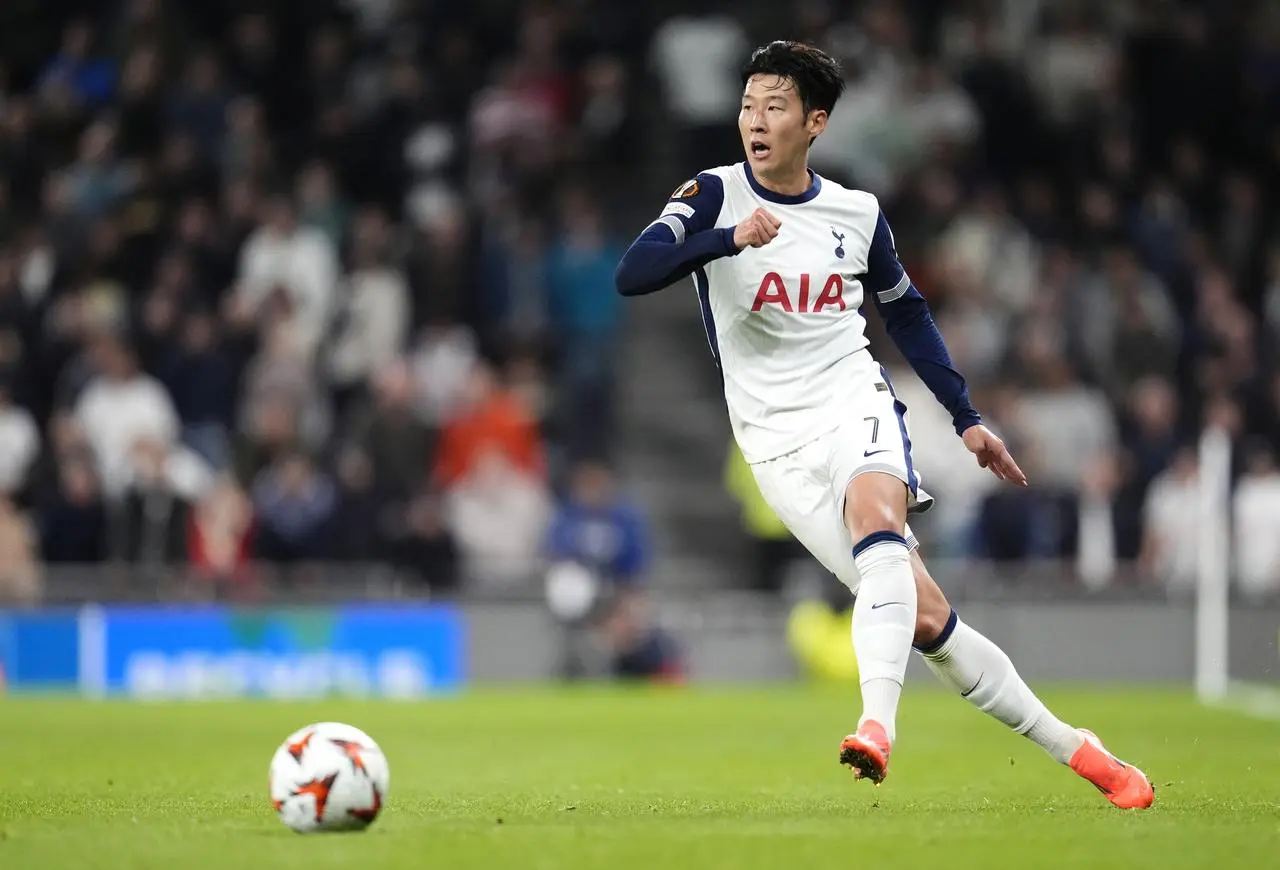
[198,104]
[495,493]
[288,273]
[1067,424]
[640,647]
[19,445]
[282,402]
[422,545]
[121,407]
[515,279]
[996,252]
[77,68]
[202,372]
[20,573]
[72,521]
[1171,517]
[99,180]
[358,521]
[1096,549]
[220,535]
[1256,514]
[584,316]
[526,379]
[295,503]
[444,363]
[696,57]
[320,205]
[141,120]
[375,318]
[1150,437]
[491,419]
[608,123]
[1125,322]
[149,524]
[597,554]
[598,528]
[1022,525]
[399,445]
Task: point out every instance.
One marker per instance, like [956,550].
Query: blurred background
[311,303]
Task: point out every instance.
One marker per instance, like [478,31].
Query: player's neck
[792,181]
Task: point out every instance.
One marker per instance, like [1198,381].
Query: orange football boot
[1122,784]
[867,752]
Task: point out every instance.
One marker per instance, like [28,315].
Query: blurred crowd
[332,280]
[1087,194]
[322,281]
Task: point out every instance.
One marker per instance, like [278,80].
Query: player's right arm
[685,238]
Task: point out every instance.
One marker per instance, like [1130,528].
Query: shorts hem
[922,503]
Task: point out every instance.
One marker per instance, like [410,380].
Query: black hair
[816,74]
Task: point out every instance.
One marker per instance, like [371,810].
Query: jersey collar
[815,187]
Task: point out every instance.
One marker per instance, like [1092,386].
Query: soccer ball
[328,777]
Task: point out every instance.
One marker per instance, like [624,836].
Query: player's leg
[969,663]
[977,669]
[884,614]
[796,487]
[871,468]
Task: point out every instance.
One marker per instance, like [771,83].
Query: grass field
[594,778]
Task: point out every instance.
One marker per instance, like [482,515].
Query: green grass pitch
[616,779]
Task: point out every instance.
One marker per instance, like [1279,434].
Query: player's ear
[817,122]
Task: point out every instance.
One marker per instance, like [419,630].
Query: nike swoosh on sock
[974,686]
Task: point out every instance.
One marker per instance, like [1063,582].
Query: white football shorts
[806,487]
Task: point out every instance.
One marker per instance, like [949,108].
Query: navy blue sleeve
[910,325]
[682,239]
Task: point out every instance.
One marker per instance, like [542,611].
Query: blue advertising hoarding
[40,649]
[203,652]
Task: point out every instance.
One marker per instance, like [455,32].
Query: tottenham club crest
[839,243]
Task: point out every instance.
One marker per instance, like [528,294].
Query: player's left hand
[992,454]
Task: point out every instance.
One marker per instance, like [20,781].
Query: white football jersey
[784,320]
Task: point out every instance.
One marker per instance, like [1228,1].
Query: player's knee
[871,518]
[875,503]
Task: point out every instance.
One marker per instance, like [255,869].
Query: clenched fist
[757,230]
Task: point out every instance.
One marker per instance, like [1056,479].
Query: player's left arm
[911,326]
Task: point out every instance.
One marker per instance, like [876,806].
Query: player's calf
[933,610]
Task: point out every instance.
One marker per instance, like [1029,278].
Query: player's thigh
[797,491]
[874,501]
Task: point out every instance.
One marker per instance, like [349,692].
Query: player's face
[775,129]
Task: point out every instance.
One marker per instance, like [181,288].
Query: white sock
[980,671]
[884,619]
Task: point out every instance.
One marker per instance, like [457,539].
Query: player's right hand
[758,229]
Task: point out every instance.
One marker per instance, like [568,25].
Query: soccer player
[782,261]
